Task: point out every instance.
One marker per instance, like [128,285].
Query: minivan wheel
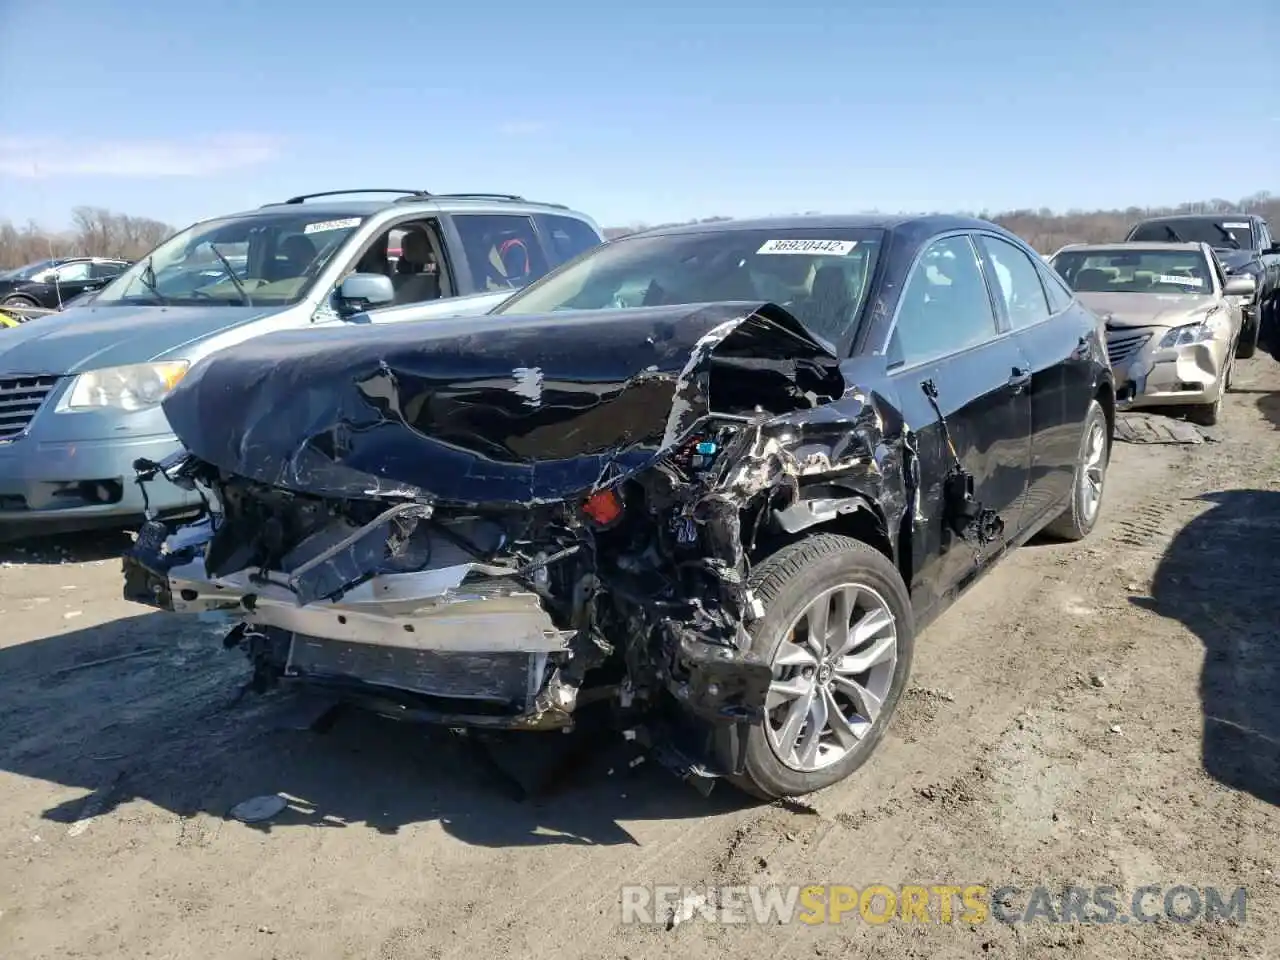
[839,633]
[1089,480]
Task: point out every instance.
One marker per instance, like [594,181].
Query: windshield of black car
[1118,270]
[819,275]
[1227,232]
[276,257]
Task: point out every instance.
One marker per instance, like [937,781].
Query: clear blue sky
[646,111]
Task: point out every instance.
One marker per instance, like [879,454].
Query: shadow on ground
[66,548]
[150,707]
[1269,407]
[1220,578]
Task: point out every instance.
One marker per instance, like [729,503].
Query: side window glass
[502,251]
[104,271]
[1060,295]
[945,306]
[567,236]
[1019,282]
[71,272]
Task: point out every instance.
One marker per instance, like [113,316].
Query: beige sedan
[1172,319]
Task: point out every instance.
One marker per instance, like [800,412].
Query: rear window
[567,236]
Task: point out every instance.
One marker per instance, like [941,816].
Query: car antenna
[969,518]
[57,287]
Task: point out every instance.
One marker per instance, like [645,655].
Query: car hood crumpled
[494,409]
[1147,309]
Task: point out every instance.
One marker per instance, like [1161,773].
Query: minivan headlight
[135,386]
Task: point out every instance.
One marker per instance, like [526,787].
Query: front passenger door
[946,331]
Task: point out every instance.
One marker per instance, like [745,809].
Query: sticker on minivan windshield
[1185,281]
[324,225]
[830,248]
[1236,226]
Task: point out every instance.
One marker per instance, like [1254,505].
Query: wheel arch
[831,508]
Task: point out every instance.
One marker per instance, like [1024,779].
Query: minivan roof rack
[514,198]
[415,194]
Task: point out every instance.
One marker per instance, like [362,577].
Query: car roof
[925,224]
[1198,216]
[322,206]
[1122,245]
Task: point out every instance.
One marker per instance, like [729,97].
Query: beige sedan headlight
[136,386]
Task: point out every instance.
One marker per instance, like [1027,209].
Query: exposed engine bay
[497,524]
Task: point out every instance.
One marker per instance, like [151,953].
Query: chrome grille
[20,398]
[1122,346]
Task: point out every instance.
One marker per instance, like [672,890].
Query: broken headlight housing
[135,386]
[1198,332]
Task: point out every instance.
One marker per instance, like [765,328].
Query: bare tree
[94,232]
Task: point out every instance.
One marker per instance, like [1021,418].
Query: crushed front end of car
[492,522]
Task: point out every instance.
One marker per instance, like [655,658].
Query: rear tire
[864,584]
[1088,483]
[18,301]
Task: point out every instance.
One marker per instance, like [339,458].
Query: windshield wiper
[148,277]
[231,274]
[1173,234]
[1235,244]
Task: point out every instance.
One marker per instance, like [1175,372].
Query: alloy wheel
[832,672]
[1094,470]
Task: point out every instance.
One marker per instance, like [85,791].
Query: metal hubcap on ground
[1095,466]
[831,675]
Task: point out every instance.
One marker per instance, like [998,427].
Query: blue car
[80,390]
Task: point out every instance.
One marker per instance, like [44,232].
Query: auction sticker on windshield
[833,248]
[1185,281]
[324,225]
[1236,226]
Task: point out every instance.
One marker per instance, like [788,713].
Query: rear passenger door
[946,330]
[1057,362]
[499,251]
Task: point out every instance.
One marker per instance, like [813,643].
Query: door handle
[1020,379]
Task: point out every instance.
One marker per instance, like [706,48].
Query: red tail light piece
[603,507]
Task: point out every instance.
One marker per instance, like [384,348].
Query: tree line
[1047,230]
[94,232]
[99,232]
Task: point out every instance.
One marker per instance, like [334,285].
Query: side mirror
[1242,286]
[361,291]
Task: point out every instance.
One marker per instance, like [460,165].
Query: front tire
[839,632]
[18,301]
[1247,345]
[1206,414]
[1089,480]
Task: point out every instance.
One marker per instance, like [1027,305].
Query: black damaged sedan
[706,483]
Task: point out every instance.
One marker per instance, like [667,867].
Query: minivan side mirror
[361,291]
[1242,286]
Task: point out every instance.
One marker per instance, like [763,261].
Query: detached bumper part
[449,634]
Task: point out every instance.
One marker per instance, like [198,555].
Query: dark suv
[1244,245]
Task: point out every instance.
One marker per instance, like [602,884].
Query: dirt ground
[1091,714]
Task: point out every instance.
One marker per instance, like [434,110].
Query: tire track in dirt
[732,849]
